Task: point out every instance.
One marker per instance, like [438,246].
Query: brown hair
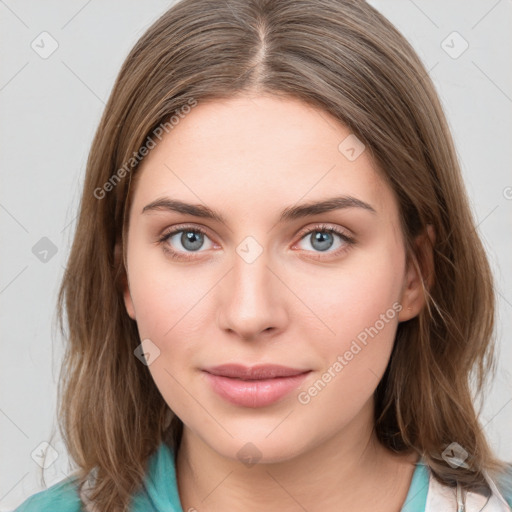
[347,59]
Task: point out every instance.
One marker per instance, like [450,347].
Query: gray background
[51,107]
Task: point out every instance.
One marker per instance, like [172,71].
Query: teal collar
[160,492]
[417,496]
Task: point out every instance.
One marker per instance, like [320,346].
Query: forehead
[260,152]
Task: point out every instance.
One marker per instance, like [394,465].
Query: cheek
[169,310]
[166,296]
[360,305]
[352,297]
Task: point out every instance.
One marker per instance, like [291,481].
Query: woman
[276,295]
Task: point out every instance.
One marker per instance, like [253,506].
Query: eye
[190,238]
[322,239]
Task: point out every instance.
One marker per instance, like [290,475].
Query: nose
[252,298]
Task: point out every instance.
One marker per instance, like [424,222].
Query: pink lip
[260,371]
[255,386]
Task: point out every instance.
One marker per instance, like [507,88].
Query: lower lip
[254,393]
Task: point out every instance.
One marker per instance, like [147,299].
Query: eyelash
[322,228]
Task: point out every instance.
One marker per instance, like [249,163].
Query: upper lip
[262,371]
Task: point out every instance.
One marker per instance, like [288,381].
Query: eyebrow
[289,213]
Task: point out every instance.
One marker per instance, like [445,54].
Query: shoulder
[159,491]
[504,484]
[60,497]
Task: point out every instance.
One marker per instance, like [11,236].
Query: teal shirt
[161,490]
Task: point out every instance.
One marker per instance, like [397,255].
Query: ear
[125,288]
[419,276]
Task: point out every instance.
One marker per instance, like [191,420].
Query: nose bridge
[251,276]
[251,301]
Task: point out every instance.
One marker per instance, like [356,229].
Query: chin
[255,446]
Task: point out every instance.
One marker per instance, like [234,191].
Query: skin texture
[248,158]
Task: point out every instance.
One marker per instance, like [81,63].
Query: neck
[349,471]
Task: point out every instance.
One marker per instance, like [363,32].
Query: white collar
[442,498]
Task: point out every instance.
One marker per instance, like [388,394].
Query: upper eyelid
[177,229]
[324,226]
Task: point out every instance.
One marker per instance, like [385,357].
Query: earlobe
[419,275]
[129,303]
[412,296]
[125,288]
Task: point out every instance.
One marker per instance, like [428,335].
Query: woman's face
[269,284]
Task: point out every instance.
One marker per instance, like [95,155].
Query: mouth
[258,372]
[256,386]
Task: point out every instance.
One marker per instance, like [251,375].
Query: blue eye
[322,238]
[192,238]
